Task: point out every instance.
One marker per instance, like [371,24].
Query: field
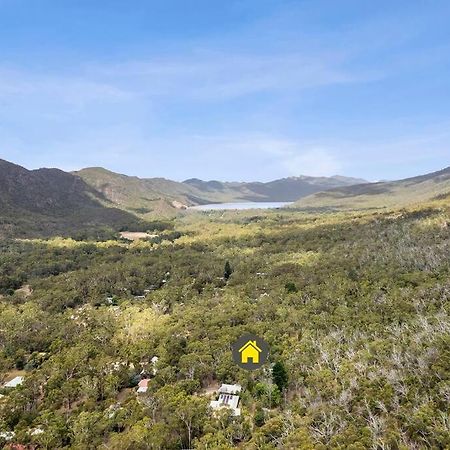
[354,306]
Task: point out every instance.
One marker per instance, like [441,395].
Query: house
[228,398]
[17,381]
[250,351]
[143,386]
[21,447]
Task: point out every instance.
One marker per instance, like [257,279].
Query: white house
[228,398]
[14,382]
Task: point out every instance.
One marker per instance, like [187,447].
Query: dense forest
[355,308]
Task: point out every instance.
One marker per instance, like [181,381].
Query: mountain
[282,190]
[158,196]
[45,202]
[151,196]
[405,192]
[293,188]
[48,202]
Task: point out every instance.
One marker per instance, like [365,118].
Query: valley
[354,305]
[224,225]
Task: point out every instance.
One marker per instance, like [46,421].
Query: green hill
[153,196]
[400,193]
[45,202]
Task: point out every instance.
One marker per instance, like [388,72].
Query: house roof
[143,386]
[17,381]
[230,388]
[248,344]
[144,382]
[227,401]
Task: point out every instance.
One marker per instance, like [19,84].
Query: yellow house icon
[250,351]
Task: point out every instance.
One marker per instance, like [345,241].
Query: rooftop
[17,381]
[228,398]
[230,389]
[143,386]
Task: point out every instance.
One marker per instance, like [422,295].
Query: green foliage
[227,270]
[363,337]
[280,376]
[259,417]
[291,288]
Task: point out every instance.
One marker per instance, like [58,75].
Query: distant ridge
[432,186]
[46,202]
[159,196]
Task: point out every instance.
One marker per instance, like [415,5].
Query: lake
[240,205]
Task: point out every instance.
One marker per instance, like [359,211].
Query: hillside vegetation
[47,202]
[406,192]
[355,308]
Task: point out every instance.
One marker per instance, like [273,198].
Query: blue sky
[231,90]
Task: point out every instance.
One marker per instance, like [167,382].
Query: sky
[237,90]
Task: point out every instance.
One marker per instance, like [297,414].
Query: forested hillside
[355,308]
[48,202]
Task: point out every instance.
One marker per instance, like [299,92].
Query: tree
[291,287]
[227,271]
[259,417]
[280,376]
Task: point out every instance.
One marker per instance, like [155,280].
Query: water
[241,205]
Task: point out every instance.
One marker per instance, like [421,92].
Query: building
[17,381]
[250,351]
[143,386]
[228,398]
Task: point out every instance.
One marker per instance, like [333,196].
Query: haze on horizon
[242,90]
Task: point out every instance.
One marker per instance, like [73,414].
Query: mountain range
[386,194]
[48,202]
[155,196]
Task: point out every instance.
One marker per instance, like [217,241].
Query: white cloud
[191,76]
[208,75]
[16,85]
[313,162]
